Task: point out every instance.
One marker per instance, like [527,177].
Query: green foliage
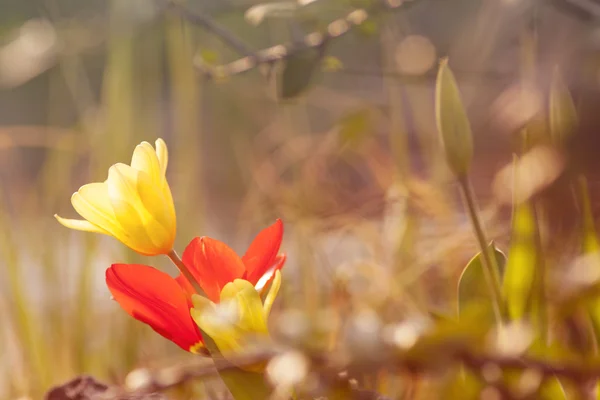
[299,71]
[522,264]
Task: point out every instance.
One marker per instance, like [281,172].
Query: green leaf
[519,280]
[452,122]
[299,71]
[472,287]
[563,114]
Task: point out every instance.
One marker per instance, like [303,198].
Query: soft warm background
[352,165]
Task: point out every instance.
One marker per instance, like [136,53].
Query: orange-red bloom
[164,303]
[214,264]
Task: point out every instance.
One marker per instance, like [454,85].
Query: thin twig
[270,55]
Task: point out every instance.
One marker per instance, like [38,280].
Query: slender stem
[490,265]
[185,271]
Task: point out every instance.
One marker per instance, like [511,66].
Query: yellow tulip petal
[147,237]
[155,203]
[272,293]
[145,159]
[163,159]
[136,188]
[230,290]
[122,184]
[249,305]
[237,321]
[130,211]
[216,322]
[80,225]
[91,202]
[97,193]
[162,154]
[252,316]
[169,203]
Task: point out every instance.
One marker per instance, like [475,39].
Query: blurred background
[337,137]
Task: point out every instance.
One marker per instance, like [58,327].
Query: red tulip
[155,298]
[214,264]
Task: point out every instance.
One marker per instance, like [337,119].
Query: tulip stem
[490,266]
[185,271]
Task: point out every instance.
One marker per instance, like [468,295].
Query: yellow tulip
[134,204]
[239,318]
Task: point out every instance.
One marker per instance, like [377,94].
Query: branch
[270,55]
[328,366]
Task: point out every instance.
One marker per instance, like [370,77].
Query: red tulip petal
[154,298]
[265,280]
[186,286]
[262,252]
[213,264]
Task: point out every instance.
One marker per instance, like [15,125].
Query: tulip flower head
[233,286]
[240,318]
[134,204]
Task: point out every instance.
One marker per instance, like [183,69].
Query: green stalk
[490,265]
[174,257]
